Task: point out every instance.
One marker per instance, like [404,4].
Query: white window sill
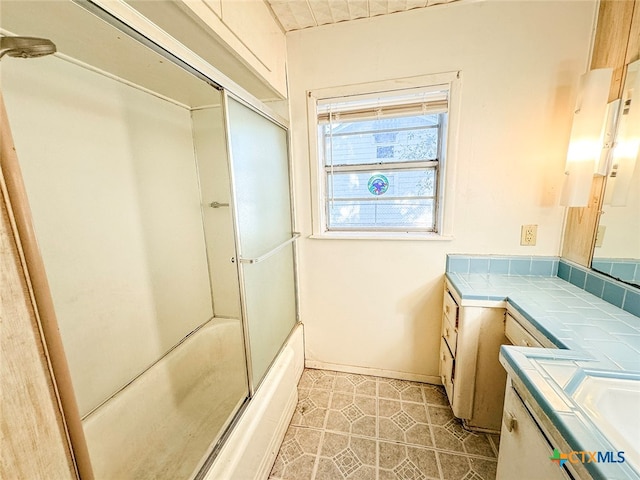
[427,236]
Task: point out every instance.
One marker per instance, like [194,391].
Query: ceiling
[298,14]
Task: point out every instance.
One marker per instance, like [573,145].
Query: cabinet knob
[510,421]
[447,308]
[446,332]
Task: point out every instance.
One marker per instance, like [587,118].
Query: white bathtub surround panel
[161,425]
[211,152]
[377,304]
[251,449]
[111,179]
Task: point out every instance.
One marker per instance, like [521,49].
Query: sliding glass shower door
[265,251]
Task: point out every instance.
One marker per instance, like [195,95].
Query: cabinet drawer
[450,308]
[450,334]
[447,366]
[518,335]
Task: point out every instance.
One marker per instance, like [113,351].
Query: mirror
[617,249]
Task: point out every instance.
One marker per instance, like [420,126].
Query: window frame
[446,159]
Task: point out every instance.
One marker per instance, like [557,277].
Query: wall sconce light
[587,138]
[627,146]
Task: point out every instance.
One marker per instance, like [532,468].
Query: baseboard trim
[375,372]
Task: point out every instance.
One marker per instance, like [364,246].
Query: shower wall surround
[211,152]
[117,216]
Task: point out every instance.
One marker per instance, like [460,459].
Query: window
[380,161]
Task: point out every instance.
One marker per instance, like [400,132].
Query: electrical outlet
[528,235]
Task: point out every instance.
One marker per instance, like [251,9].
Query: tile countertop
[595,340]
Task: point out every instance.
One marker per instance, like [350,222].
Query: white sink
[613,404]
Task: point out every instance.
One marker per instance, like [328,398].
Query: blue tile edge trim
[501,264]
[622,295]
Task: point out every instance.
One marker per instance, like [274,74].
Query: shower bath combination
[161,340]
[26,47]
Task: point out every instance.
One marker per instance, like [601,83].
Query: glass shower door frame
[239,260]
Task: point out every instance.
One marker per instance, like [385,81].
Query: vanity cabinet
[517,334]
[472,333]
[520,332]
[525,449]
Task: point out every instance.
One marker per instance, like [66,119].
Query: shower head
[26,47]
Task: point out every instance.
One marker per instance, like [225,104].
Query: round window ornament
[378,184]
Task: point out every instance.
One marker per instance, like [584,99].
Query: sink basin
[613,406]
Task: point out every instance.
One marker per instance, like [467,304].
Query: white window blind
[381,155]
[382,105]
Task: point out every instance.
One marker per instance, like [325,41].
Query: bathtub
[250,450]
[160,425]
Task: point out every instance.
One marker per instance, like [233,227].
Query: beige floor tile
[495,443]
[297,455]
[400,390]
[345,456]
[486,469]
[445,440]
[356,384]
[353,414]
[439,415]
[312,378]
[479,445]
[405,422]
[459,467]
[435,395]
[454,467]
[312,407]
[399,461]
[358,427]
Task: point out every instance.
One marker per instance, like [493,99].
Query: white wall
[112,183]
[376,304]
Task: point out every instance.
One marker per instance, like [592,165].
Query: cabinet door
[525,453]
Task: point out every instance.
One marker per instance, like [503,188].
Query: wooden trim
[44,317]
[633,49]
[617,39]
[32,433]
[611,40]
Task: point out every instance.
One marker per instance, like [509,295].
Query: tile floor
[348,426]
